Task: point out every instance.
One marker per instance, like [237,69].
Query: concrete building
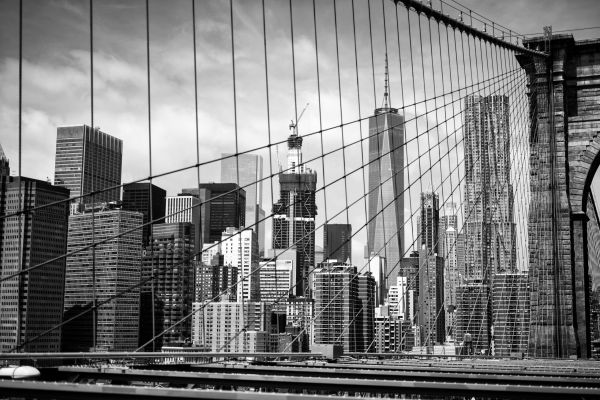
[32,303]
[294,214]
[185,208]
[247,171]
[240,249]
[170,261]
[111,267]
[148,199]
[88,160]
[276,283]
[231,326]
[337,242]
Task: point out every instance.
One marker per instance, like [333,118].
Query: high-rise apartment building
[294,214]
[111,267]
[489,228]
[148,199]
[385,231]
[170,261]
[240,249]
[337,242]
[88,160]
[31,303]
[185,208]
[247,171]
[223,206]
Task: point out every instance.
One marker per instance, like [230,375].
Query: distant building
[386,185]
[31,303]
[247,171]
[294,214]
[88,160]
[170,261]
[299,321]
[223,206]
[115,262]
[431,274]
[409,268]
[185,208]
[231,326]
[150,200]
[240,249]
[337,242]
[216,281]
[276,283]
[344,306]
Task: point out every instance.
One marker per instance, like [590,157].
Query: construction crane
[294,125]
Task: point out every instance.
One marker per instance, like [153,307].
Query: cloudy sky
[56,87]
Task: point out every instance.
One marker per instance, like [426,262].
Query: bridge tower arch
[564,157]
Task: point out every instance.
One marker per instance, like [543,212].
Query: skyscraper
[247,171]
[170,261]
[88,160]
[385,233]
[510,315]
[147,199]
[185,208]
[223,206]
[294,213]
[31,303]
[111,267]
[240,249]
[337,242]
[489,227]
[276,282]
[431,274]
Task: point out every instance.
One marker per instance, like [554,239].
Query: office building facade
[148,199]
[186,208]
[31,304]
[111,267]
[337,242]
[247,171]
[88,160]
[240,249]
[223,206]
[170,260]
[385,230]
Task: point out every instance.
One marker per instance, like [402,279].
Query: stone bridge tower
[565,154]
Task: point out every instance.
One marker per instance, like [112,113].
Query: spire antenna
[386,93]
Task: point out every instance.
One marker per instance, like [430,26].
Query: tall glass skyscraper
[88,160]
[386,184]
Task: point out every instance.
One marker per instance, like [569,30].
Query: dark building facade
[88,160]
[170,261]
[32,303]
[337,242]
[223,206]
[148,199]
[294,213]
